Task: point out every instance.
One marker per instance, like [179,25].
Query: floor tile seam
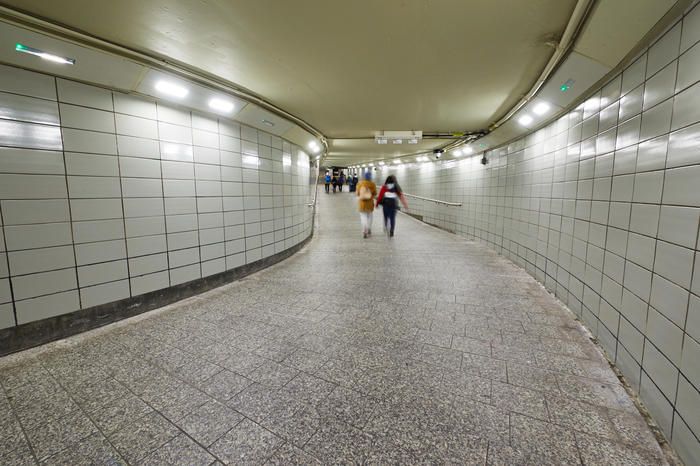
[92,421]
[22,429]
[171,422]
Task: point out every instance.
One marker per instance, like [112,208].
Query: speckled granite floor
[422,349]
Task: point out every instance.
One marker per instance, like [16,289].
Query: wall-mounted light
[172,89]
[541,108]
[44,55]
[525,120]
[221,105]
[314,147]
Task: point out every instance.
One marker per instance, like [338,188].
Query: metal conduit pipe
[568,38]
[58,31]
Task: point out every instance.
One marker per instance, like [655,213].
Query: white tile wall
[128,196]
[612,231]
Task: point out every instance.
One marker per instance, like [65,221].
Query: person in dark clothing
[341,181]
[334,182]
[389,196]
[353,182]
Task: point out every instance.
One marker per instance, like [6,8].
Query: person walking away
[328,182]
[334,182]
[354,182]
[341,181]
[389,196]
[366,192]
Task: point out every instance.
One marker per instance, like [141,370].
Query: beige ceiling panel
[298,136]
[90,65]
[617,25]
[347,67]
[262,119]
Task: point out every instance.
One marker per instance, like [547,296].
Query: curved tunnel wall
[602,206]
[106,196]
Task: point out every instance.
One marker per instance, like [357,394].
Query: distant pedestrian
[353,183]
[366,191]
[389,196]
[334,182]
[341,181]
[328,182]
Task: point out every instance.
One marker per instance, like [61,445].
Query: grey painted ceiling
[351,68]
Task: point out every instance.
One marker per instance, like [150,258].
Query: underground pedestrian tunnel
[177,287]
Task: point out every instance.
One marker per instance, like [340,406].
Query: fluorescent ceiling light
[525,120]
[466,150]
[44,55]
[413,141]
[381,141]
[171,89]
[457,152]
[222,105]
[382,163]
[371,164]
[397,162]
[397,141]
[541,108]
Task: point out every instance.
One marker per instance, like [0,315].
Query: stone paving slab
[422,348]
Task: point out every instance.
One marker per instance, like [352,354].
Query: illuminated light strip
[44,55]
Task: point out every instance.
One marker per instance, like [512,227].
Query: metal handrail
[437,201]
[318,171]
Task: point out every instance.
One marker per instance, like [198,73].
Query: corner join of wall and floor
[106,196]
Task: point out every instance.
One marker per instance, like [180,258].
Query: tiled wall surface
[602,206]
[104,196]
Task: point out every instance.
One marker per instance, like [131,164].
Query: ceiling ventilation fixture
[221,105]
[398,137]
[171,89]
[21,48]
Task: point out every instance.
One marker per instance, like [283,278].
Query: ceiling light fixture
[457,152]
[525,120]
[221,105]
[314,147]
[466,150]
[44,55]
[397,137]
[397,162]
[541,108]
[268,123]
[382,163]
[171,89]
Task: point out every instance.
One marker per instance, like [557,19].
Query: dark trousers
[328,185]
[389,215]
[340,187]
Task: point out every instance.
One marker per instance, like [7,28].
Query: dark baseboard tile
[43,331]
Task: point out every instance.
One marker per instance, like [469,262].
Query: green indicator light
[567,85]
[20,47]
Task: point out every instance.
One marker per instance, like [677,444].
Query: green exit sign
[567,85]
